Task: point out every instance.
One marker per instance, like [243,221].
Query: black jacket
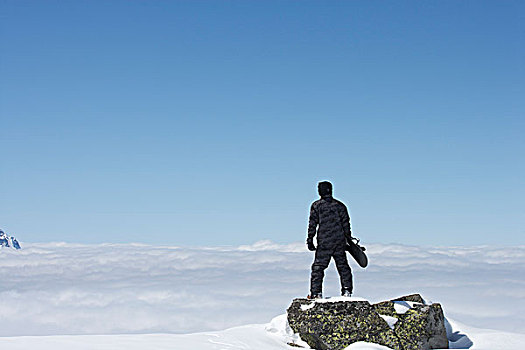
[329,219]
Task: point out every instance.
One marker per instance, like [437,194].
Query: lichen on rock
[335,325]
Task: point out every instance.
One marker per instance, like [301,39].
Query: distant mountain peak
[8,241]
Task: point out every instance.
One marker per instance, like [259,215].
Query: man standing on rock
[329,219]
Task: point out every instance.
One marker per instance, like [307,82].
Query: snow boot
[346,293]
[315,296]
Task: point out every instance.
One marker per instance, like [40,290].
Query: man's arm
[345,222]
[313,221]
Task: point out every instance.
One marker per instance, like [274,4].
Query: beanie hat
[324,188]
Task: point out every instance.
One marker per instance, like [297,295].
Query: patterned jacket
[329,219]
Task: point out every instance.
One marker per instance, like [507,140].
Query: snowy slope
[272,336]
[8,241]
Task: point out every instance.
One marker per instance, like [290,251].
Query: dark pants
[321,262]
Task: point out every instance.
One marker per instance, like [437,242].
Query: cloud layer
[59,288]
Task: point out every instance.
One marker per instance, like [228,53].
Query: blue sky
[211,122]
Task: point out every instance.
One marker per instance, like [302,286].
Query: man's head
[324,188]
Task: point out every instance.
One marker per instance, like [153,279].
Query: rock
[412,297]
[402,324]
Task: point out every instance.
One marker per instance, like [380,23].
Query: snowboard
[357,252]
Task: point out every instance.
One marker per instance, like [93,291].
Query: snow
[272,336]
[366,346]
[137,296]
[305,307]
[484,339]
[245,337]
[402,307]
[391,321]
[338,299]
[312,302]
[8,241]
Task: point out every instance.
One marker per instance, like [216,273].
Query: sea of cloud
[59,288]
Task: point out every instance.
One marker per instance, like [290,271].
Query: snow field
[272,336]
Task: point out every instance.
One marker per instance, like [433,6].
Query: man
[329,219]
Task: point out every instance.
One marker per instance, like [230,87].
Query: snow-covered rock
[406,323]
[8,241]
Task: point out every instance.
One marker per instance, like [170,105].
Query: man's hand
[349,238]
[310,244]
